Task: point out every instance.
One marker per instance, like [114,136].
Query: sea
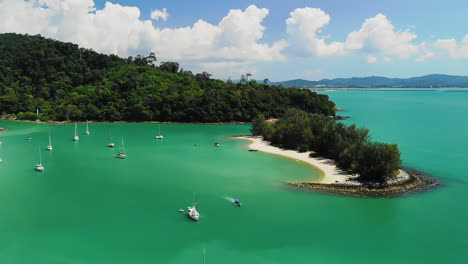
[88,207]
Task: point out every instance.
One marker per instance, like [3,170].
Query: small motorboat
[217,145]
[181,210]
[237,202]
[28,138]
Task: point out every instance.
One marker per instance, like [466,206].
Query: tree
[151,59]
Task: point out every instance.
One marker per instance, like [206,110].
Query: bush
[303,148]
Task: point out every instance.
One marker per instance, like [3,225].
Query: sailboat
[49,147]
[76,138]
[192,211]
[87,128]
[1,160]
[121,154]
[110,144]
[159,136]
[204,257]
[39,166]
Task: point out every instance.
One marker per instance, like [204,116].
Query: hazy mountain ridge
[433,80]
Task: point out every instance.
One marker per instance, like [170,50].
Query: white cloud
[160,14]
[455,49]
[119,30]
[305,23]
[229,69]
[427,54]
[377,33]
[371,59]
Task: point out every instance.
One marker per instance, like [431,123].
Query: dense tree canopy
[349,146]
[66,82]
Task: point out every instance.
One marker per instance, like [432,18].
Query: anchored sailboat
[110,144]
[76,138]
[121,154]
[39,166]
[87,128]
[159,136]
[193,212]
[49,147]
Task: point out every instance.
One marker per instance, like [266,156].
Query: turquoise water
[89,207]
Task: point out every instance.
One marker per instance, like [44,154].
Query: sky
[278,40]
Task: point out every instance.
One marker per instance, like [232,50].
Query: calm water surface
[89,207]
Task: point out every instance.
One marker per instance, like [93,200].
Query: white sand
[330,172]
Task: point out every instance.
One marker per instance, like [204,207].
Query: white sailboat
[121,154]
[159,136]
[110,144]
[76,138]
[40,167]
[193,212]
[87,128]
[1,160]
[49,147]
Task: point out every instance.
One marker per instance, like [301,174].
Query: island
[350,163]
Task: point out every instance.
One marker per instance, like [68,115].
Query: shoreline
[336,181]
[329,172]
[120,122]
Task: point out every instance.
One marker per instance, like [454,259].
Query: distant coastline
[335,181]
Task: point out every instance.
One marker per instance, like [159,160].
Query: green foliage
[349,146]
[70,83]
[303,148]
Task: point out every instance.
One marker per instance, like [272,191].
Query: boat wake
[229,199]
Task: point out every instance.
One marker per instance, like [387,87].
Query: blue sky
[279,40]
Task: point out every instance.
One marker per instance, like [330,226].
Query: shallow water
[89,207]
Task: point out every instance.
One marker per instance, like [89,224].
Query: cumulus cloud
[160,14]
[229,68]
[455,49]
[427,54]
[118,29]
[371,59]
[305,24]
[376,33]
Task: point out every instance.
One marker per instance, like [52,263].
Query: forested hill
[66,82]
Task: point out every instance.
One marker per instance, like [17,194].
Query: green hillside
[66,82]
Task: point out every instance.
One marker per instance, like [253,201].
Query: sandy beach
[330,173]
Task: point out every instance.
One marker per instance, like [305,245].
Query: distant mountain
[434,80]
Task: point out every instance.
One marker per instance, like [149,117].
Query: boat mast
[50,141]
[204,256]
[40,157]
[75,129]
